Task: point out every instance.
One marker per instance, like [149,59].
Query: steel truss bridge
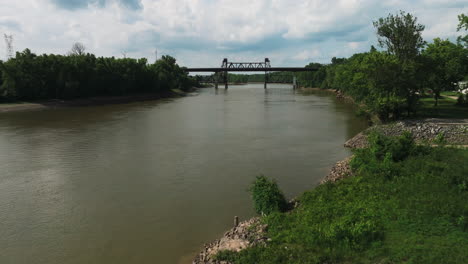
[221,73]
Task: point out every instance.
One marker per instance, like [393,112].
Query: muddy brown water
[151,182]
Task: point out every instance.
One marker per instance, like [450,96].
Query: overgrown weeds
[406,204]
[267,196]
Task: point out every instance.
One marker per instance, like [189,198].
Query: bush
[405,204]
[462,100]
[399,148]
[382,153]
[267,196]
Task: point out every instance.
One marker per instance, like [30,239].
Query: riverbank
[425,131]
[371,118]
[337,93]
[253,232]
[453,132]
[101,100]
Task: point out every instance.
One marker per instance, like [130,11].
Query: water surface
[150,182]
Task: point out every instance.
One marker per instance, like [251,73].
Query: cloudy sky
[203,32]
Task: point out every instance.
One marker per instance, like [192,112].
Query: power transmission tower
[9,45]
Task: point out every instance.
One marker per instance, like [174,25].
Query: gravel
[454,131]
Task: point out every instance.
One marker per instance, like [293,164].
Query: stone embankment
[245,234]
[252,232]
[339,171]
[451,131]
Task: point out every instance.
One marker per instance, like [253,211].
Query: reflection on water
[150,182]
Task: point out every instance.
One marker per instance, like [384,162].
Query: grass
[450,93]
[447,108]
[410,209]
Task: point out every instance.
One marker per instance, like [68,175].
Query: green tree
[463,25]
[267,196]
[28,76]
[447,65]
[401,35]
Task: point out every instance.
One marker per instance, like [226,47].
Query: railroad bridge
[221,73]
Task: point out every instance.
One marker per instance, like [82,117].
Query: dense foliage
[390,83]
[28,76]
[401,35]
[446,65]
[267,196]
[463,25]
[406,204]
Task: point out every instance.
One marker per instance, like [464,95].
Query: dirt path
[451,97]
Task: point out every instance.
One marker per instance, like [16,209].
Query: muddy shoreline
[92,101]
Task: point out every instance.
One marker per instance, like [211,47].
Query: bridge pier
[225,80]
[265,66]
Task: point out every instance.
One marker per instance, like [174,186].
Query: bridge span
[227,66]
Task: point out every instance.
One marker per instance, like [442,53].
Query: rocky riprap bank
[452,131]
[339,171]
[245,234]
[252,232]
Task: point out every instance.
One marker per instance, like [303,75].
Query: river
[151,182]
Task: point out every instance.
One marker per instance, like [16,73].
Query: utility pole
[156,54]
[9,45]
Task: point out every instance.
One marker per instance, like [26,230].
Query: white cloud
[307,55]
[353,45]
[202,32]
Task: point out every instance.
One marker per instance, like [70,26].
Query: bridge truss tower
[227,65]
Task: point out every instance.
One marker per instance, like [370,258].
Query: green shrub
[267,196]
[383,151]
[440,139]
[417,214]
[398,147]
[225,255]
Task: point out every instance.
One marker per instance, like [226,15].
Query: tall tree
[78,48]
[447,65]
[401,35]
[463,25]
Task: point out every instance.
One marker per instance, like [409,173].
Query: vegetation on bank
[404,204]
[28,76]
[446,108]
[391,82]
[267,196]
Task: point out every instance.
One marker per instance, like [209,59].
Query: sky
[200,33]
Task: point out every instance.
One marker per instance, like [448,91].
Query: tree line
[270,76]
[390,82]
[28,76]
